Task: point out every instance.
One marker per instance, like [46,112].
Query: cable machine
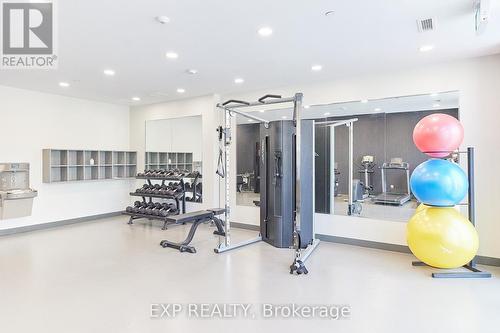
[302,249]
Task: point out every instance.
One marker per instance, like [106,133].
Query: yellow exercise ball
[421,207]
[441,237]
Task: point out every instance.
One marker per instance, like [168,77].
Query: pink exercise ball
[438,134]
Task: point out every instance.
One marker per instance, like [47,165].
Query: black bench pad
[188,217]
[217,211]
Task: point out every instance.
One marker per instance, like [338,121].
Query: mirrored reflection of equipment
[245,182]
[366,172]
[16,196]
[394,197]
[337,179]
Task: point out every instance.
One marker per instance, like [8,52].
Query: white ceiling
[426,102]
[219,39]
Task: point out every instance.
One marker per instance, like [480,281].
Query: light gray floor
[247,198]
[377,211]
[103,276]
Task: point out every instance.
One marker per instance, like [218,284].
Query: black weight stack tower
[277,182]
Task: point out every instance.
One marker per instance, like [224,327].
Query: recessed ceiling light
[327,113]
[307,106]
[136,99]
[181,90]
[434,95]
[163,19]
[250,120]
[262,111]
[171,55]
[265,31]
[330,12]
[239,80]
[316,68]
[436,105]
[109,72]
[426,48]
[283,117]
[192,71]
[364,101]
[64,84]
[377,109]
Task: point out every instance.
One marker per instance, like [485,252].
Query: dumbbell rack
[180,199]
[194,184]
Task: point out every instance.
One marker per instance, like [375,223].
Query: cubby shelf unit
[171,161]
[64,165]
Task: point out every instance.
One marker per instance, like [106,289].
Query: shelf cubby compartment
[119,158]
[91,172]
[181,158]
[72,157]
[58,174]
[163,158]
[153,158]
[131,158]
[130,171]
[58,157]
[119,171]
[75,173]
[91,157]
[106,158]
[172,158]
[105,172]
[189,158]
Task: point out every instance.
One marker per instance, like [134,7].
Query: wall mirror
[176,145]
[382,149]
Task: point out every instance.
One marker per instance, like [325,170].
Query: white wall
[201,106]
[31,121]
[478,81]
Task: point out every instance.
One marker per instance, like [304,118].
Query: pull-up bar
[232,104]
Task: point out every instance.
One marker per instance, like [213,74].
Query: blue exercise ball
[439,183]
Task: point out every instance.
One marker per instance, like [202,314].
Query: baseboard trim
[364,243]
[29,228]
[483,260]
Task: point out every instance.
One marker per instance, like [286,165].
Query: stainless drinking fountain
[16,196]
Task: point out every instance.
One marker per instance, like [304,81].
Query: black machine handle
[235,101]
[277,166]
[263,98]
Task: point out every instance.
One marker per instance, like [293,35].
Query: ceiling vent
[427,24]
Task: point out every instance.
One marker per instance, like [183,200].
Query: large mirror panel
[375,163]
[175,146]
[383,154]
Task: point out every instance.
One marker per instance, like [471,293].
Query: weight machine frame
[225,138]
[473,271]
[349,123]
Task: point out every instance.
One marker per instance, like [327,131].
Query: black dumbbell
[142,189]
[157,207]
[134,209]
[149,209]
[156,189]
[167,209]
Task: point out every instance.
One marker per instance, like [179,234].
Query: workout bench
[196,218]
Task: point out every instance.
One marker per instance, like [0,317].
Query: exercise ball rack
[472,271]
